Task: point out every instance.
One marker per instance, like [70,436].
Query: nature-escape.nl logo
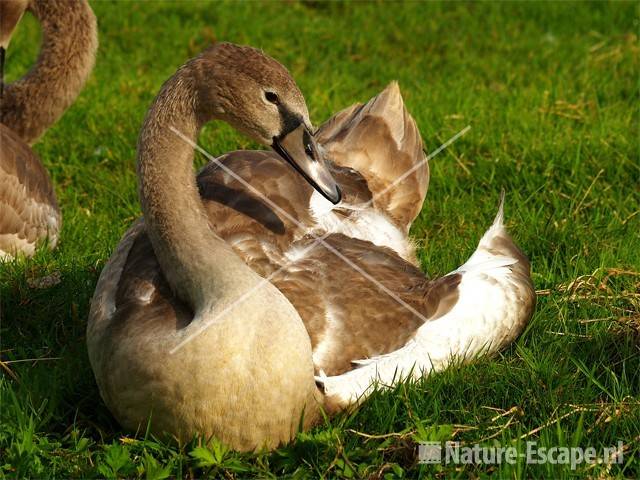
[454,453]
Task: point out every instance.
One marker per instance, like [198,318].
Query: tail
[497,227]
[497,247]
[479,308]
[381,141]
[489,253]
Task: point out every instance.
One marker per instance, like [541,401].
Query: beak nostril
[309,151]
[308,144]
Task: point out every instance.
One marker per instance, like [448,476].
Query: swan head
[257,96]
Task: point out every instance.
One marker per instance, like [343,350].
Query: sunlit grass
[551,94]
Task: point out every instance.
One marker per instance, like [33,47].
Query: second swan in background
[29,211]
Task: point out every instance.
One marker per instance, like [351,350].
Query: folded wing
[381,141]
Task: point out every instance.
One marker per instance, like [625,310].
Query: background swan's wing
[381,141]
[28,208]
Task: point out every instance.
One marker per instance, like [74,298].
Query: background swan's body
[138,316]
[28,207]
[29,211]
[33,103]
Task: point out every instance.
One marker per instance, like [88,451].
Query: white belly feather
[363,224]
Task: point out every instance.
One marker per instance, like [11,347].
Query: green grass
[551,93]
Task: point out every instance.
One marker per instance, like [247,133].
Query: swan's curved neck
[200,267]
[33,103]
[259,351]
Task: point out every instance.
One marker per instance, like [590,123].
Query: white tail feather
[498,224]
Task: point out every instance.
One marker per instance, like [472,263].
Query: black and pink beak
[300,149]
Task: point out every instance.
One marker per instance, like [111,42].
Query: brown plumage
[28,208]
[389,146]
[217,307]
[262,236]
[11,12]
[225,366]
[31,104]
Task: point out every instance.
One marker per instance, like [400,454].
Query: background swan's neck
[33,103]
[200,267]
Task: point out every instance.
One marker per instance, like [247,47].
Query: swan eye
[271,97]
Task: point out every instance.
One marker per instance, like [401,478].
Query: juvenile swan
[242,372]
[28,208]
[167,339]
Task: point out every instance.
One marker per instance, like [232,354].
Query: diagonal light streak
[245,295]
[417,166]
[317,239]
